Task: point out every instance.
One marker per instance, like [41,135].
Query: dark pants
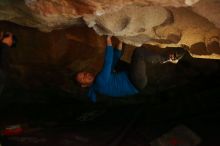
[142,59]
[137,70]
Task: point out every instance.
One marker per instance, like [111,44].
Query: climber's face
[84,78]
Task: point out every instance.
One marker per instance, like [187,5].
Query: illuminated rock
[167,23]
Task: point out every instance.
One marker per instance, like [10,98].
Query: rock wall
[49,58]
[191,24]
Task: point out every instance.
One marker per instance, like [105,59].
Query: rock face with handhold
[192,24]
[134,28]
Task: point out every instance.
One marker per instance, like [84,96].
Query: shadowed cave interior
[41,96]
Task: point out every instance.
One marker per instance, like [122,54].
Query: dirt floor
[53,117]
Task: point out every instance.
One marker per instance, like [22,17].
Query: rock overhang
[191,24]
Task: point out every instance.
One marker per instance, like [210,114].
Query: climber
[7,40]
[123,83]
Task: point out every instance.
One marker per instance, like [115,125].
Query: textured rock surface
[53,14]
[209,9]
[51,60]
[191,24]
[134,28]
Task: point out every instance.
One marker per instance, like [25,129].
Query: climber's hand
[8,39]
[109,40]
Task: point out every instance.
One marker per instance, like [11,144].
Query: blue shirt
[110,83]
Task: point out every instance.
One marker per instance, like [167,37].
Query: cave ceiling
[191,24]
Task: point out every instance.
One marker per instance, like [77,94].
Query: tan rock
[166,23]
